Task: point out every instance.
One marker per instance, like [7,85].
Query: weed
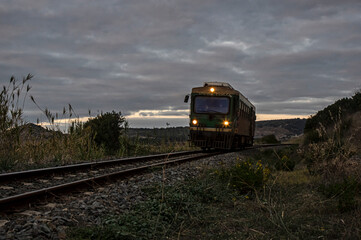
[12,100]
[332,160]
[245,176]
[284,159]
[285,163]
[167,212]
[345,192]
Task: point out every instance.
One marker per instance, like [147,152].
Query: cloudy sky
[291,58]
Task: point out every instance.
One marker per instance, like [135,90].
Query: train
[220,117]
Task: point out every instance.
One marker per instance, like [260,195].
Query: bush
[283,159]
[245,176]
[285,164]
[269,139]
[106,130]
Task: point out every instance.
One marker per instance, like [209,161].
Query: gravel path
[50,221]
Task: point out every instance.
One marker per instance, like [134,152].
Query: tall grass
[23,146]
[12,100]
[333,160]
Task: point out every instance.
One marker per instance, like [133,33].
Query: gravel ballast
[50,220]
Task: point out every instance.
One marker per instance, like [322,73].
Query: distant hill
[282,129]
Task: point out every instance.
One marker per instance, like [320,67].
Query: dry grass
[295,140]
[288,207]
[23,147]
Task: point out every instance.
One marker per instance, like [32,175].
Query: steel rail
[7,177]
[6,204]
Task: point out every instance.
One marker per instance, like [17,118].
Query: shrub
[106,130]
[269,139]
[285,164]
[284,159]
[245,176]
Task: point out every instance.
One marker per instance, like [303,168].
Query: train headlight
[194,122]
[212,90]
[226,123]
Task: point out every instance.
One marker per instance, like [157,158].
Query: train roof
[217,84]
[222,88]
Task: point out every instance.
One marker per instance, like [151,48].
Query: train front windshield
[204,104]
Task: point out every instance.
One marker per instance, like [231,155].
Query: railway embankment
[93,206]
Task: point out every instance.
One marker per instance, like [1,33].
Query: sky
[290,58]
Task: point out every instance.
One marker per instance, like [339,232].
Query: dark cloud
[287,56]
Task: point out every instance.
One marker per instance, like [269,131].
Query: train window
[205,104]
[240,109]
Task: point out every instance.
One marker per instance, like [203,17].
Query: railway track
[19,189]
[33,186]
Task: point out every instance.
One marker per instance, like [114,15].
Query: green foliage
[245,176]
[106,130]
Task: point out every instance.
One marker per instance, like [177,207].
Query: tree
[106,130]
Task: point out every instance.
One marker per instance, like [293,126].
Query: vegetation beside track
[250,199]
[311,192]
[27,146]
